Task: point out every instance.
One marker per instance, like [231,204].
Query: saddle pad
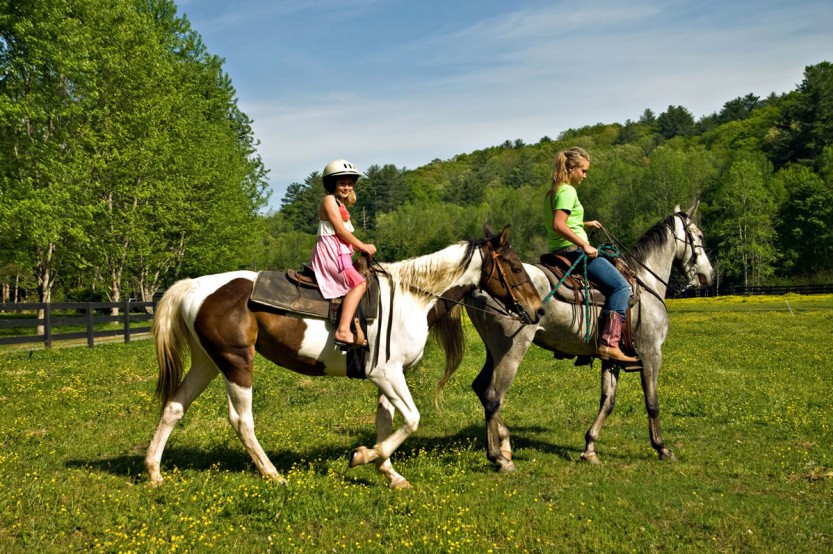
[570,290]
[275,289]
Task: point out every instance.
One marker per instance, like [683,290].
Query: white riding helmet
[338,168]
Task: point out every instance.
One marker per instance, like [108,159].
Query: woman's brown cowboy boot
[609,347]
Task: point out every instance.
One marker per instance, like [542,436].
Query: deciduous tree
[744,206]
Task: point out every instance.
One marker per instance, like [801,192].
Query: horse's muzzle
[705,280]
[526,318]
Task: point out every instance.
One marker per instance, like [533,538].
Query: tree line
[761,169]
[126,164]
[125,158]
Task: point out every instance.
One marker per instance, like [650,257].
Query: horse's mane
[653,239]
[433,273]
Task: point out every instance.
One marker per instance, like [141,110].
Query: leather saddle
[297,292]
[573,288]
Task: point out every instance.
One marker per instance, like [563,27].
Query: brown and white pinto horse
[214,318]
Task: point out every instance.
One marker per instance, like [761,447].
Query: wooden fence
[71,316]
[740,290]
[75,315]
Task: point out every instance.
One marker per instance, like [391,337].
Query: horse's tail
[170,339]
[448,332]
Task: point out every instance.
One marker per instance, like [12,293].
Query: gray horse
[675,241]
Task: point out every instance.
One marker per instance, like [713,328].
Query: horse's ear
[692,210]
[487,231]
[504,235]
[677,209]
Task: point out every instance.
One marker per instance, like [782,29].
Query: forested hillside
[762,169]
[125,163]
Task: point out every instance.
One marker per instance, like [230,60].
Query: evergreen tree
[805,127]
[805,227]
[382,190]
[300,203]
[675,121]
[738,109]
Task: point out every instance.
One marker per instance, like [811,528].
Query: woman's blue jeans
[616,289]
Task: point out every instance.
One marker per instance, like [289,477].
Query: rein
[505,282]
[610,250]
[689,240]
[503,312]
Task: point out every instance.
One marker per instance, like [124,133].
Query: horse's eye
[516,270]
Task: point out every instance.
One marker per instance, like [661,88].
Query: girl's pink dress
[332,259]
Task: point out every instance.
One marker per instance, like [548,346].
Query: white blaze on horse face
[698,268]
[704,264]
[687,251]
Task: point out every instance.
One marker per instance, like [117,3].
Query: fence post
[47,325]
[126,310]
[89,318]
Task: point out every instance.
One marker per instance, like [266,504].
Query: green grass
[786,302]
[745,401]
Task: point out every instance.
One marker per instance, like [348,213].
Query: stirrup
[633,367]
[359,340]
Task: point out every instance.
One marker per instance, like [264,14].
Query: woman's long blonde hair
[565,161]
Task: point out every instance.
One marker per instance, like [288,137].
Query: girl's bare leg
[348,310]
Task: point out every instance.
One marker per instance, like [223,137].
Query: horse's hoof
[505,466]
[400,483]
[155,482]
[666,455]
[590,458]
[358,457]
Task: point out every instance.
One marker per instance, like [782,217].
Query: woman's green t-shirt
[566,199]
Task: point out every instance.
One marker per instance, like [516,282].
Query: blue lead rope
[608,250]
[582,259]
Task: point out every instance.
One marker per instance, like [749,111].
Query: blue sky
[403,83]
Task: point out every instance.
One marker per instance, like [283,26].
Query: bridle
[689,242]
[496,273]
[681,266]
[485,276]
[501,278]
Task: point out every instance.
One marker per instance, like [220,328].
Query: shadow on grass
[319,458]
[523,439]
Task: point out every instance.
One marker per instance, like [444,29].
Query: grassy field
[745,402]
